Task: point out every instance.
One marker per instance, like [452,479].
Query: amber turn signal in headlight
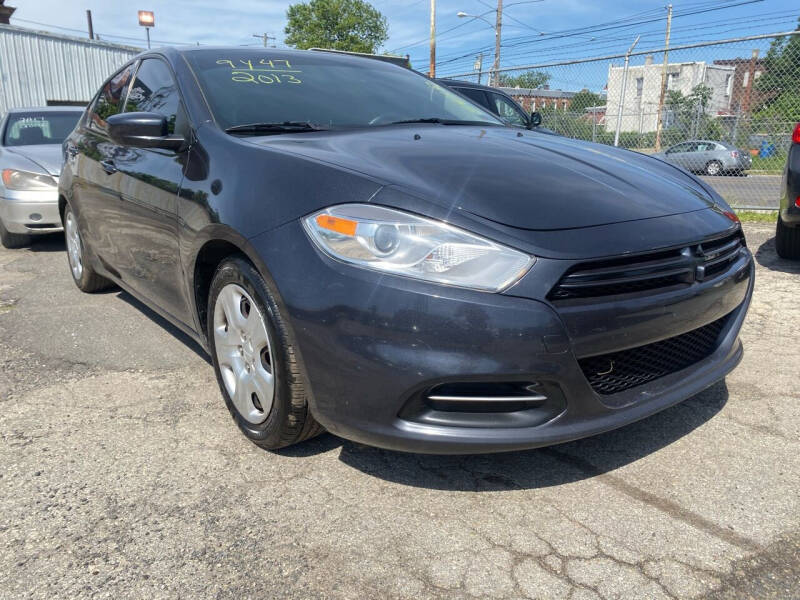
[394,241]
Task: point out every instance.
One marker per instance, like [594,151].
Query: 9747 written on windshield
[263,70]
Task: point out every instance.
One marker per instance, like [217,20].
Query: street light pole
[147,20]
[496,66]
[494,74]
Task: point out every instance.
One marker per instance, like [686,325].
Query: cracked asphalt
[122,475]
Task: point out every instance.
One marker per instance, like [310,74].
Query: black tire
[713,168]
[12,240]
[787,240]
[289,420]
[89,280]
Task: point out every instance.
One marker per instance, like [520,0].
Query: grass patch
[757,216]
[772,165]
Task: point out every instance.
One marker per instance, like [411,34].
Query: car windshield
[36,128]
[247,87]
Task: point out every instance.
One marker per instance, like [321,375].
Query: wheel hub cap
[74,247]
[244,353]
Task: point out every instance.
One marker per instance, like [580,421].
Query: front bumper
[372,345]
[30,212]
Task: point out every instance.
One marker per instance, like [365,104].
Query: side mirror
[536,119]
[143,130]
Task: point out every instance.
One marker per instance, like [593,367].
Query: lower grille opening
[43,225]
[484,397]
[619,371]
[491,404]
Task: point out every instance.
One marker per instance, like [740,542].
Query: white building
[643,89]
[39,68]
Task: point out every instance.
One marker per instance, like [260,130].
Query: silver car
[30,163]
[708,157]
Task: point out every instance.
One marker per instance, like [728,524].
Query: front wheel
[254,359]
[714,167]
[82,272]
[787,240]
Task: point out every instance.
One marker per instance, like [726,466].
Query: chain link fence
[724,110]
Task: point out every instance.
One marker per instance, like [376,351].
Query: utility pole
[496,66]
[432,69]
[478,66]
[89,21]
[264,37]
[662,97]
[622,93]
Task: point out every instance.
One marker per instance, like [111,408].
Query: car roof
[26,109]
[466,84]
[274,53]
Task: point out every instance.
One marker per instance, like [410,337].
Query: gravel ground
[123,476]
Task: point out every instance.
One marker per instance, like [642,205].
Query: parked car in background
[30,163]
[498,103]
[787,234]
[708,157]
[415,274]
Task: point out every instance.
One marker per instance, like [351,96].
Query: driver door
[148,258]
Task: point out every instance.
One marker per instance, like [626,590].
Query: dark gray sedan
[708,157]
[414,274]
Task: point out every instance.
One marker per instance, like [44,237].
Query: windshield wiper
[442,121]
[284,127]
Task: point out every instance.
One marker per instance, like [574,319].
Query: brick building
[537,99]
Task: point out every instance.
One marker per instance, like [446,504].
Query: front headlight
[26,181]
[397,242]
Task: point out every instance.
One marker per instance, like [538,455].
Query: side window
[109,100]
[474,95]
[154,90]
[678,148]
[508,111]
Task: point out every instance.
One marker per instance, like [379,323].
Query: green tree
[690,115]
[584,99]
[528,80]
[352,25]
[779,84]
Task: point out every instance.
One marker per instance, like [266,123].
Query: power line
[516,42]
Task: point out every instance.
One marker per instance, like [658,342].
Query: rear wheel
[12,240]
[82,272]
[787,240]
[254,359]
[714,167]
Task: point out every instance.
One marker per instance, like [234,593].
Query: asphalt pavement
[122,475]
[751,191]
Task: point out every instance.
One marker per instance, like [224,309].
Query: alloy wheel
[244,353]
[74,247]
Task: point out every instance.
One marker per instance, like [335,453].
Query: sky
[534,31]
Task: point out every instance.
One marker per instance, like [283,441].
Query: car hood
[524,180]
[47,157]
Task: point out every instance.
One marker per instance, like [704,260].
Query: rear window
[37,128]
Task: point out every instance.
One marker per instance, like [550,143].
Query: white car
[30,164]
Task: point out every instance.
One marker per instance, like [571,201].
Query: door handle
[108,166]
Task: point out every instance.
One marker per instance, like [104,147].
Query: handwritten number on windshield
[264,71]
